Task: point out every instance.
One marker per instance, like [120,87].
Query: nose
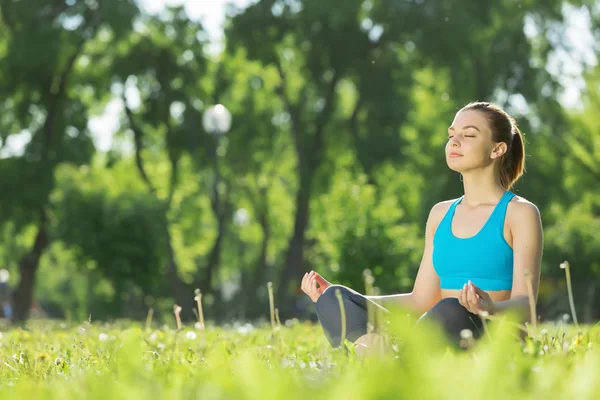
[454,142]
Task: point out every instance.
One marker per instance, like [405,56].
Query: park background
[114,198]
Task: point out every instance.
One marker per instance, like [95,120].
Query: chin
[455,164]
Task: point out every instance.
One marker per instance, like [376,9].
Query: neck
[482,187]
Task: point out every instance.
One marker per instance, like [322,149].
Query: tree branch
[297,128]
[57,90]
[6,16]
[323,118]
[353,121]
[139,145]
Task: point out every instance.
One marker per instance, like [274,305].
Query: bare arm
[527,247]
[426,291]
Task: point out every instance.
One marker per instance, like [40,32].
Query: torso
[467,222]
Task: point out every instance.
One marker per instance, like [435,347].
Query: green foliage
[121,232]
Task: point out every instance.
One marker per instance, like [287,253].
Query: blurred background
[123,189]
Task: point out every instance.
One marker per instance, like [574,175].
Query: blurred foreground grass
[126,361]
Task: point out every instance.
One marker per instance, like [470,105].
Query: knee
[447,304]
[328,299]
[444,309]
[328,296]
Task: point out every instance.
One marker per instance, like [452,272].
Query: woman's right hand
[310,282]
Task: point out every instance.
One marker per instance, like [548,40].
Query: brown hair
[504,129]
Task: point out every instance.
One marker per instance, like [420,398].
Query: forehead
[470,117]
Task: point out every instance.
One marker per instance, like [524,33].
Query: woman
[480,249]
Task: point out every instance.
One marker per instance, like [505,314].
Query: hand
[309,285]
[475,300]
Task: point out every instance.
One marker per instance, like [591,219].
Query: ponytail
[512,165]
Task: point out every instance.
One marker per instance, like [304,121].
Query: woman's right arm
[426,290]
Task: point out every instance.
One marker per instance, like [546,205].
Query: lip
[455,155]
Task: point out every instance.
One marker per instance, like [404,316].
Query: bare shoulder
[521,209]
[438,211]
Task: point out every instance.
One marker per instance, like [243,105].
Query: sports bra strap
[499,214]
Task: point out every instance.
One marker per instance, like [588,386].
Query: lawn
[127,360]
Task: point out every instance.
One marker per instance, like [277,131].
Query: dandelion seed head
[564,265]
[466,334]
[103,337]
[191,335]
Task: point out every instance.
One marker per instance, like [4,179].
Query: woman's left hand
[475,300]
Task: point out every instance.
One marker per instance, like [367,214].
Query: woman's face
[470,144]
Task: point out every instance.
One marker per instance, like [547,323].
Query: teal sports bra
[486,258]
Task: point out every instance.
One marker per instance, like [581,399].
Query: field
[126,360]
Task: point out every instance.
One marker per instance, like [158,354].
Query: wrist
[493,309]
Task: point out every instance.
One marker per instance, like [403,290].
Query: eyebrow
[465,127]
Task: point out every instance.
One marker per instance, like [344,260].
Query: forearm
[518,304]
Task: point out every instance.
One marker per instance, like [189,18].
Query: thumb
[320,280]
[480,292]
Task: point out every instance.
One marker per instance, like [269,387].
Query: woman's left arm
[528,243]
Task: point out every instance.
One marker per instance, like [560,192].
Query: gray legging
[448,313]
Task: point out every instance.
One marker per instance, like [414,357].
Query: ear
[499,150]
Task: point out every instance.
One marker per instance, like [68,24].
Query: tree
[45,60]
[163,61]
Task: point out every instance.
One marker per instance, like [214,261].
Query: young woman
[480,249]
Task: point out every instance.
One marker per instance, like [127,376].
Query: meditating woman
[480,249]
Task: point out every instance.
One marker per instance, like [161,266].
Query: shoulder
[437,212]
[523,216]
[519,208]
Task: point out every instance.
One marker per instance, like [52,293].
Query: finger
[461,298]
[480,292]
[464,296]
[312,286]
[472,298]
[304,284]
[320,280]
[466,299]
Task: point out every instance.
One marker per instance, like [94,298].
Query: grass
[126,360]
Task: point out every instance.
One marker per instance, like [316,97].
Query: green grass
[127,361]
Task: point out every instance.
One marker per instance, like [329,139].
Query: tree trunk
[260,270]
[294,260]
[178,287]
[23,294]
[214,259]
